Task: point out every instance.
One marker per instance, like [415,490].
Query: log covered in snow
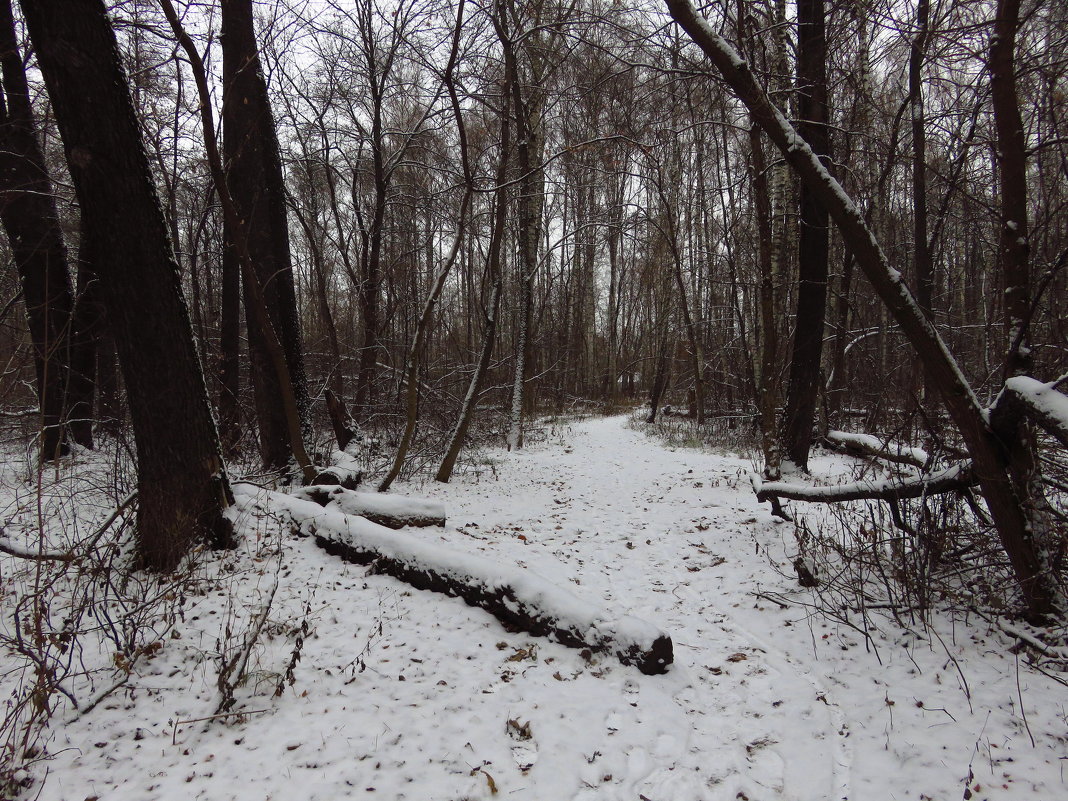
[391,511]
[519,598]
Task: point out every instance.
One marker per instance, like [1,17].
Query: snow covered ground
[395,693]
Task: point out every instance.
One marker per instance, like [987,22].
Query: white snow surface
[405,694]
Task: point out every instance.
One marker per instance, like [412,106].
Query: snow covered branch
[867,445]
[951,479]
[391,511]
[1041,403]
[14,549]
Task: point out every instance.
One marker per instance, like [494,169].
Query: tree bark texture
[813,247]
[254,178]
[182,485]
[31,222]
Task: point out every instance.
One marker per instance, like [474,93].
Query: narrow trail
[674,536]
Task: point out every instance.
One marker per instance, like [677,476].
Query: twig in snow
[234,670]
[177,723]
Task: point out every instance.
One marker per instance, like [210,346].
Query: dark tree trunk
[813,241]
[230,349]
[29,216]
[254,177]
[921,250]
[1016,435]
[87,329]
[182,484]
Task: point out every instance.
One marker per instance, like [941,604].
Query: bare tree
[29,216]
[182,484]
[1016,520]
[254,179]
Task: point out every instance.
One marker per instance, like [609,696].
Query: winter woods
[285,240]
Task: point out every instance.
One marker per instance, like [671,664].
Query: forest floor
[396,693]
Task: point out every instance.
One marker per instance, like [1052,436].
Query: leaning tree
[181,480]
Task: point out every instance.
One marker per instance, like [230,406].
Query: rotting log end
[652,661]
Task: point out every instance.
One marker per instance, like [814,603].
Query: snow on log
[344,470]
[867,445]
[519,598]
[1042,403]
[957,477]
[391,511]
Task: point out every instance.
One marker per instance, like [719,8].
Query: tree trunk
[87,328]
[493,267]
[256,306]
[182,484]
[770,307]
[528,101]
[921,250]
[1016,434]
[230,348]
[254,178]
[29,216]
[813,242]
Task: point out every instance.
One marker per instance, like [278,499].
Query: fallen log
[519,598]
[951,479]
[339,477]
[391,511]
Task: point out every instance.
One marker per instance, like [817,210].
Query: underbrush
[868,564]
[81,627]
[732,435]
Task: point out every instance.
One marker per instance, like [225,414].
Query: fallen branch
[865,445]
[952,479]
[12,549]
[9,547]
[520,599]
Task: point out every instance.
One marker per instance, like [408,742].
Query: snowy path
[665,533]
[403,694]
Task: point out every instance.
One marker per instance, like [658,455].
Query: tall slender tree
[254,178]
[813,246]
[31,222]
